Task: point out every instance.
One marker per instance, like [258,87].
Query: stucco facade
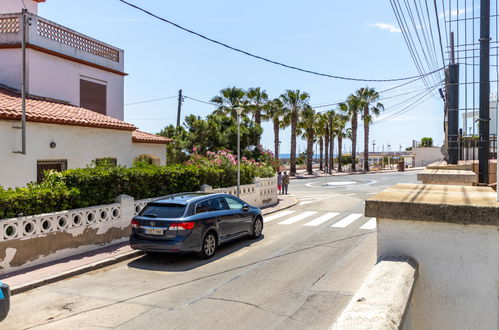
[78,145]
[53,77]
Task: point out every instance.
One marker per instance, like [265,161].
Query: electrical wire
[200,101]
[420,76]
[153,100]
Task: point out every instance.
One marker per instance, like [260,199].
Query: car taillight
[182,225]
[135,223]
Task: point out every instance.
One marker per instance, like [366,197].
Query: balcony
[49,37]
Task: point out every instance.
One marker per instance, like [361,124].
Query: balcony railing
[55,37]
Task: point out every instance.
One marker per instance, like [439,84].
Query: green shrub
[100,184]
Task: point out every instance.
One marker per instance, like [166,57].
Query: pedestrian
[285,182]
[279,182]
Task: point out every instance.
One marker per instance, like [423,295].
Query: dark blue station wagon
[194,222]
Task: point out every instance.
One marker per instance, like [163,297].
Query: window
[214,204]
[106,160]
[47,165]
[234,204]
[163,210]
[93,96]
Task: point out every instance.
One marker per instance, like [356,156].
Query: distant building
[74,105]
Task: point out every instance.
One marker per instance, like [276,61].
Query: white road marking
[351,194]
[371,193]
[305,203]
[370,224]
[347,220]
[340,183]
[297,218]
[321,219]
[277,215]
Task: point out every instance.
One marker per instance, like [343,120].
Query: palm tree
[228,100]
[330,118]
[352,108]
[274,111]
[369,103]
[294,101]
[257,99]
[307,129]
[322,133]
[338,129]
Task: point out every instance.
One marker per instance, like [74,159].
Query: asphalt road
[299,275]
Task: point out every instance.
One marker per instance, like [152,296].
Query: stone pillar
[452,233]
[127,208]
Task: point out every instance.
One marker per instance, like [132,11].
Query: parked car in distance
[194,222]
[4,300]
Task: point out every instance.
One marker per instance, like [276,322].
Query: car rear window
[163,211]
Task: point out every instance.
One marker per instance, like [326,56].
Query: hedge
[97,185]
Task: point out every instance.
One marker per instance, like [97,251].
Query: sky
[349,38]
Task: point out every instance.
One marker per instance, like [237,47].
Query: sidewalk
[27,279]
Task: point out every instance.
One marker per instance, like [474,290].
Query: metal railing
[468,147]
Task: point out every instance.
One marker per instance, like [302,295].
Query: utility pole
[453,106]
[180,100]
[484,133]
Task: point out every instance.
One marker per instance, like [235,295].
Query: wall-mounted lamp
[53,145]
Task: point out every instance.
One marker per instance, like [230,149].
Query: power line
[200,101]
[153,100]
[421,75]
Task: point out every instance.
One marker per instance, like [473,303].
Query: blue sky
[350,38]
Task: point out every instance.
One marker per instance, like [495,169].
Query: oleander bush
[100,183]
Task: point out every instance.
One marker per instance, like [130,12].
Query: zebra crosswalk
[315,218]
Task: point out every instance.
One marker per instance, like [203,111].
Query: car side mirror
[245,208]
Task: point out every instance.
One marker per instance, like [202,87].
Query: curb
[96,265]
[73,272]
[295,201]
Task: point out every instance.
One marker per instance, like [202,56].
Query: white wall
[458,266]
[79,145]
[426,155]
[54,77]
[15,6]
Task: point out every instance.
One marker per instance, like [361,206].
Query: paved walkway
[30,278]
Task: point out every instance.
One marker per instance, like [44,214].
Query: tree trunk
[310,154]
[366,139]
[321,153]
[354,140]
[340,140]
[326,152]
[292,156]
[276,138]
[331,147]
[258,117]
[331,153]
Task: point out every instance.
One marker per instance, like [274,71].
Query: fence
[37,239]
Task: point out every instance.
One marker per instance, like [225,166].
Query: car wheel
[257,228]
[208,247]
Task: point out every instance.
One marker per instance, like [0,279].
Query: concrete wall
[15,6]
[427,155]
[79,145]
[33,240]
[57,78]
[457,281]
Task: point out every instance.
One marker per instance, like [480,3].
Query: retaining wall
[33,240]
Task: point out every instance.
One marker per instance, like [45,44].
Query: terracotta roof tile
[143,137]
[53,112]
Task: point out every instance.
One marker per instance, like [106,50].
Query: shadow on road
[170,262]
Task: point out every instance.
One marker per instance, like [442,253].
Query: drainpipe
[23,83]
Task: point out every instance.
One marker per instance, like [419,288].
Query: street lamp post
[374,145]
[239,110]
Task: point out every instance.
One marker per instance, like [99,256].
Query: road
[299,275]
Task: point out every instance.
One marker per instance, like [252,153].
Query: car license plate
[153,231]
